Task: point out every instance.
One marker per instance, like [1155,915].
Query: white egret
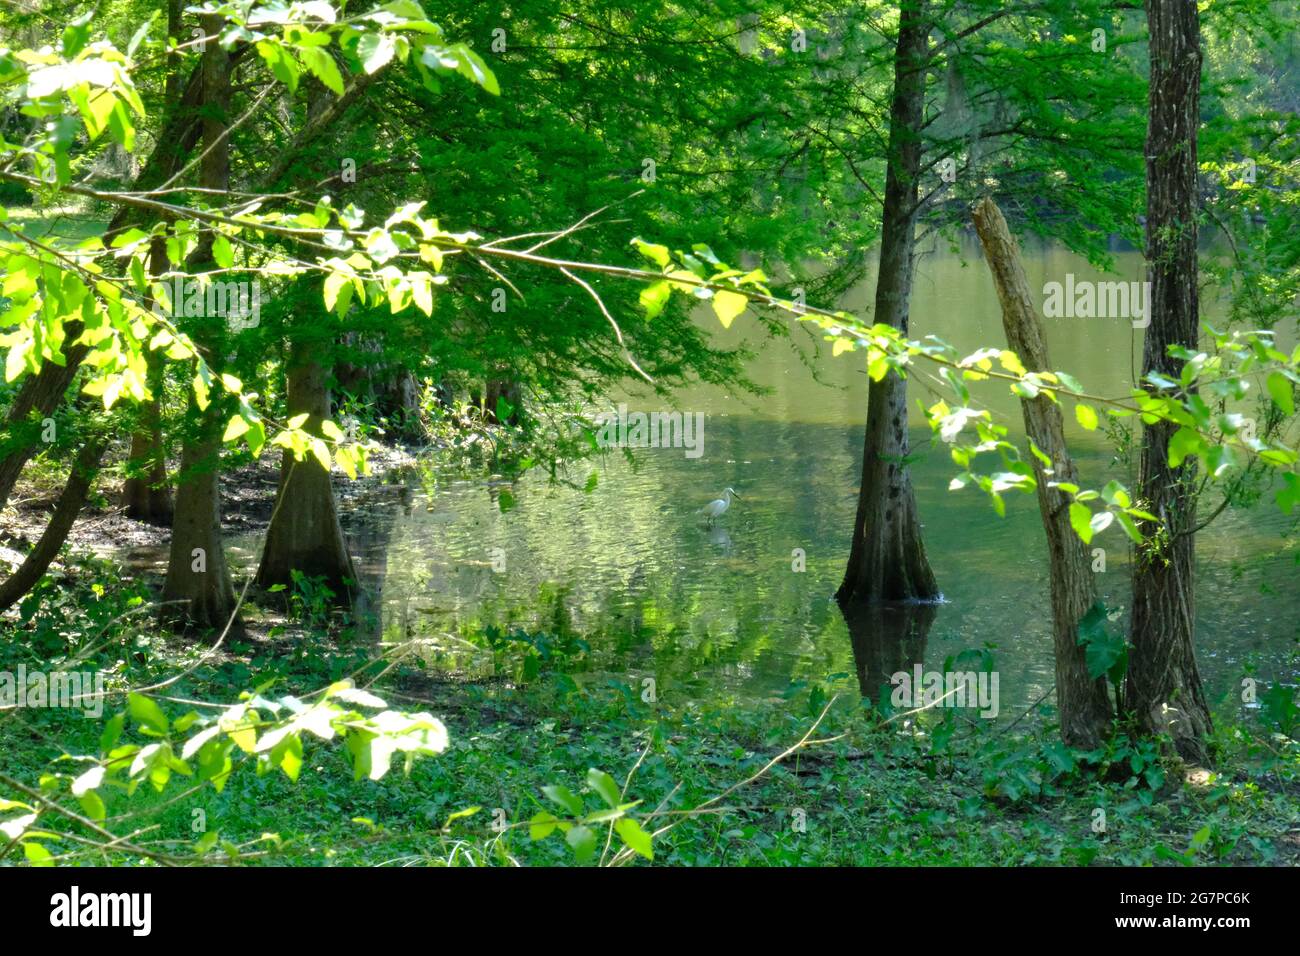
[718,507]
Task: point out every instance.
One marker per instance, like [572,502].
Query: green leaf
[16,360]
[281,63]
[323,67]
[654,297]
[654,252]
[1086,415]
[145,712]
[460,815]
[1279,389]
[36,853]
[1011,362]
[1199,839]
[583,841]
[206,842]
[1185,442]
[223,254]
[635,837]
[1114,494]
[1081,521]
[1288,496]
[112,731]
[1101,521]
[1105,653]
[1069,381]
[93,805]
[471,66]
[375,50]
[333,283]
[88,781]
[604,786]
[728,305]
[1130,528]
[542,825]
[564,798]
[236,427]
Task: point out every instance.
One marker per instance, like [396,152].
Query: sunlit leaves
[323,67]
[634,836]
[271,732]
[375,51]
[654,297]
[234,428]
[657,254]
[281,62]
[728,305]
[223,253]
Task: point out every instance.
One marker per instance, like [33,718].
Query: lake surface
[719,614]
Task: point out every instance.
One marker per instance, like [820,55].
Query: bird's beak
[734,495]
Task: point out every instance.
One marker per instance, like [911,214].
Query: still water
[719,614]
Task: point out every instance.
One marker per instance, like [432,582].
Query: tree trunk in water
[71,499]
[305,534]
[1083,703]
[887,638]
[887,560]
[1163,689]
[198,586]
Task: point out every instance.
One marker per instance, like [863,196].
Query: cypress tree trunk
[305,534]
[146,494]
[887,560]
[512,392]
[1083,703]
[1163,689]
[198,588]
[198,591]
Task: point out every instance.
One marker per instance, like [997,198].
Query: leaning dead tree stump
[1084,706]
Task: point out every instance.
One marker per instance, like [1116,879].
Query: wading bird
[718,506]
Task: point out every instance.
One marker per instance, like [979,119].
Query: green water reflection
[719,613]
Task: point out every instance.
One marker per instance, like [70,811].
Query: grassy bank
[865,788]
